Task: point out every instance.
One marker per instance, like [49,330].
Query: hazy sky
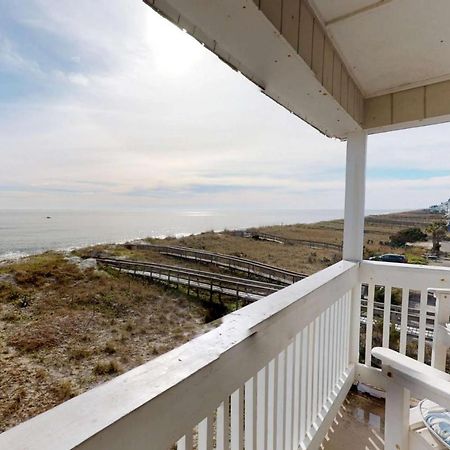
[105,104]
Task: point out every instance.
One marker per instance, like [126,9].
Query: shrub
[107,367]
[413,259]
[396,295]
[110,348]
[79,353]
[408,235]
[64,390]
[34,338]
[10,316]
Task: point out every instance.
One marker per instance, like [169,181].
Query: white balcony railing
[413,315]
[271,376]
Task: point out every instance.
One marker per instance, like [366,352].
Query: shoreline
[29,249]
[12,256]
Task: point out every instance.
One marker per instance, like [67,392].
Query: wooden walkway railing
[304,242]
[195,280]
[379,221]
[235,263]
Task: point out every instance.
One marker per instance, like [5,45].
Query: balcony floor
[359,424]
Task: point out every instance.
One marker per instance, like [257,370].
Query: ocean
[26,232]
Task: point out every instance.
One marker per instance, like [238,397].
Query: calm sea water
[29,232]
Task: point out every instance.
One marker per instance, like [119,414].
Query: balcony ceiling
[331,62]
[389,45]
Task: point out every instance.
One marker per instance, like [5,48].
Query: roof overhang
[339,65]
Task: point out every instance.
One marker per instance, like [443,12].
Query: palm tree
[438,231]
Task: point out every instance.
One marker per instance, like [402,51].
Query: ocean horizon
[28,232]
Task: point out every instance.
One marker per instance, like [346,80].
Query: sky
[107,105]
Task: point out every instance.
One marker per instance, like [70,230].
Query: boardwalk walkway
[241,288]
[195,280]
[304,242]
[271,273]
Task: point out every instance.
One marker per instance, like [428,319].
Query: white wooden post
[396,415]
[439,353]
[355,185]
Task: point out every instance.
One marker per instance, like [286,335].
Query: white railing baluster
[237,422]
[404,320]
[289,395]
[343,334]
[347,330]
[315,379]
[281,400]
[340,340]
[303,384]
[223,425]
[262,408]
[330,350]
[296,392]
[205,433]
[422,325]
[326,367]
[369,325]
[185,443]
[250,414]
[272,404]
[336,326]
[387,315]
[322,357]
[349,324]
[310,381]
[341,328]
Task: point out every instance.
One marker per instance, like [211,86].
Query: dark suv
[390,257]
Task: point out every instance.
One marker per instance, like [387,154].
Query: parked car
[390,257]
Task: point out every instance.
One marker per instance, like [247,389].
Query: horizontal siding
[416,104]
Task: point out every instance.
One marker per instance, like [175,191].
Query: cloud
[123,109]
[12,61]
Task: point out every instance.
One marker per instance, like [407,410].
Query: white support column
[355,186]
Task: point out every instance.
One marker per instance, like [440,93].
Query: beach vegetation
[108,367]
[408,235]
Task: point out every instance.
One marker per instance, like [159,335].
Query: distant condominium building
[441,208]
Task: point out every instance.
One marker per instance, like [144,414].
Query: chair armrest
[422,380]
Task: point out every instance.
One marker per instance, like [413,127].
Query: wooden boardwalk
[234,263]
[381,221]
[304,242]
[195,280]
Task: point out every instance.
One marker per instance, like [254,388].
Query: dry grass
[65,330]
[107,367]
